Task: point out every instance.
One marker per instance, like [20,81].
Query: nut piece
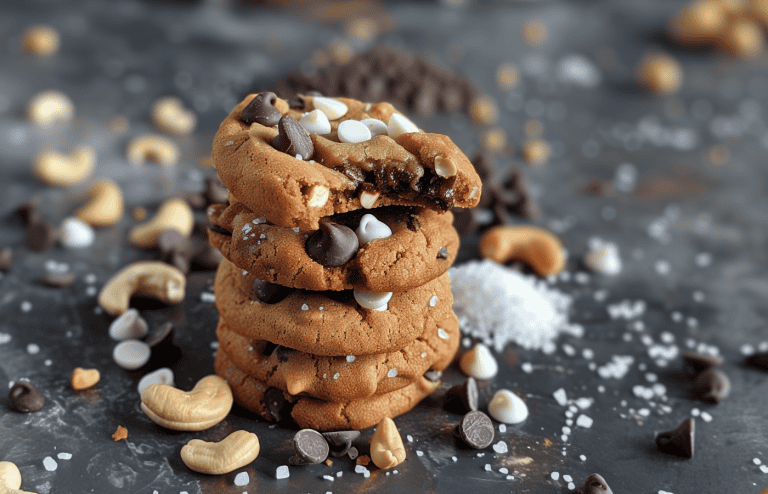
[174,214]
[152,147]
[445,167]
[106,205]
[660,73]
[700,22]
[743,38]
[10,479]
[387,450]
[535,152]
[60,169]
[84,378]
[121,434]
[234,451]
[317,196]
[368,199]
[169,115]
[206,405]
[538,248]
[146,278]
[40,40]
[49,107]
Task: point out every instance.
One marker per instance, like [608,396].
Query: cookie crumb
[329,462]
[120,434]
[363,460]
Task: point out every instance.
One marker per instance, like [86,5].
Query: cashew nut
[174,214]
[387,450]
[169,115]
[206,405]
[10,479]
[318,196]
[49,107]
[368,199]
[145,278]
[538,248]
[40,40]
[236,450]
[152,147]
[106,205]
[60,169]
[84,378]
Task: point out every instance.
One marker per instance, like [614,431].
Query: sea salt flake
[242,479]
[584,421]
[555,475]
[64,456]
[500,447]
[50,464]
[282,472]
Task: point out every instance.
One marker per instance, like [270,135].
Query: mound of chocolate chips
[407,81]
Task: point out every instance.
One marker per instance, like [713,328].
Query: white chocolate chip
[479,363]
[163,375]
[399,125]
[129,326]
[332,108]
[352,131]
[318,196]
[507,407]
[316,122]
[368,199]
[445,167]
[131,354]
[376,126]
[372,300]
[604,258]
[76,234]
[371,228]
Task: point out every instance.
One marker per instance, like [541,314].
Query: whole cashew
[236,450]
[387,450]
[538,248]
[49,107]
[174,214]
[60,169]
[206,405]
[146,278]
[106,205]
[10,479]
[151,147]
[169,115]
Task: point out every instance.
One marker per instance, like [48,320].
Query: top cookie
[383,160]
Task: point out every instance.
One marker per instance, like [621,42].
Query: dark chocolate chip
[215,191]
[261,110]
[464,397]
[283,353]
[6,258]
[310,446]
[433,376]
[595,484]
[30,210]
[59,279]
[442,253]
[24,397]
[269,348]
[712,386]
[333,244]
[206,256]
[476,429]
[219,230]
[161,336]
[678,442]
[758,361]
[41,235]
[293,139]
[340,442]
[353,453]
[270,293]
[696,363]
[278,405]
[413,222]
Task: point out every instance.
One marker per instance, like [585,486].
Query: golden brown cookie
[413,169]
[341,378]
[272,404]
[330,323]
[422,246]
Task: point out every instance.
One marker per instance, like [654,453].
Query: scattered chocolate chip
[270,293]
[293,139]
[161,336]
[464,397]
[215,191]
[442,253]
[333,244]
[696,363]
[59,279]
[219,230]
[476,429]
[24,397]
[758,361]
[310,446]
[261,110]
[353,453]
[595,484]
[433,376]
[41,235]
[269,348]
[678,442]
[340,442]
[278,405]
[283,353]
[712,386]
[6,258]
[206,256]
[30,210]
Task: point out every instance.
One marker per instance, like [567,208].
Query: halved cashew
[10,479]
[206,405]
[106,206]
[387,450]
[169,115]
[445,167]
[55,168]
[152,147]
[538,248]
[234,451]
[318,196]
[49,107]
[145,278]
[174,214]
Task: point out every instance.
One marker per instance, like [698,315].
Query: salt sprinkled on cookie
[371,228]
[507,407]
[399,125]
[352,131]
[332,108]
[479,363]
[316,122]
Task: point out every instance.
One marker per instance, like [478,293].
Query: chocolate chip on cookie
[261,110]
[293,139]
[333,244]
[270,293]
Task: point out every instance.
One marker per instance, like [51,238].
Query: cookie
[330,323]
[421,247]
[341,378]
[311,413]
[413,169]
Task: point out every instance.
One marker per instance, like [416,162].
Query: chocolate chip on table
[215,191]
[261,110]
[6,258]
[758,361]
[442,253]
[333,244]
[712,386]
[476,429]
[41,235]
[595,484]
[24,397]
[310,446]
[340,442]
[293,139]
[353,453]
[59,279]
[30,210]
[270,293]
[433,376]
[696,363]
[463,397]
[678,442]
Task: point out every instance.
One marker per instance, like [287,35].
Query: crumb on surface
[120,434]
[363,460]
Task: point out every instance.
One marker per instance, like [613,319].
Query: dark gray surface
[119,56]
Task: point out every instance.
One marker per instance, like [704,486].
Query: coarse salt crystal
[584,421]
[50,464]
[242,479]
[282,472]
[500,447]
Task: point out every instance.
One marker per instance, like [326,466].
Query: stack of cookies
[335,305]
